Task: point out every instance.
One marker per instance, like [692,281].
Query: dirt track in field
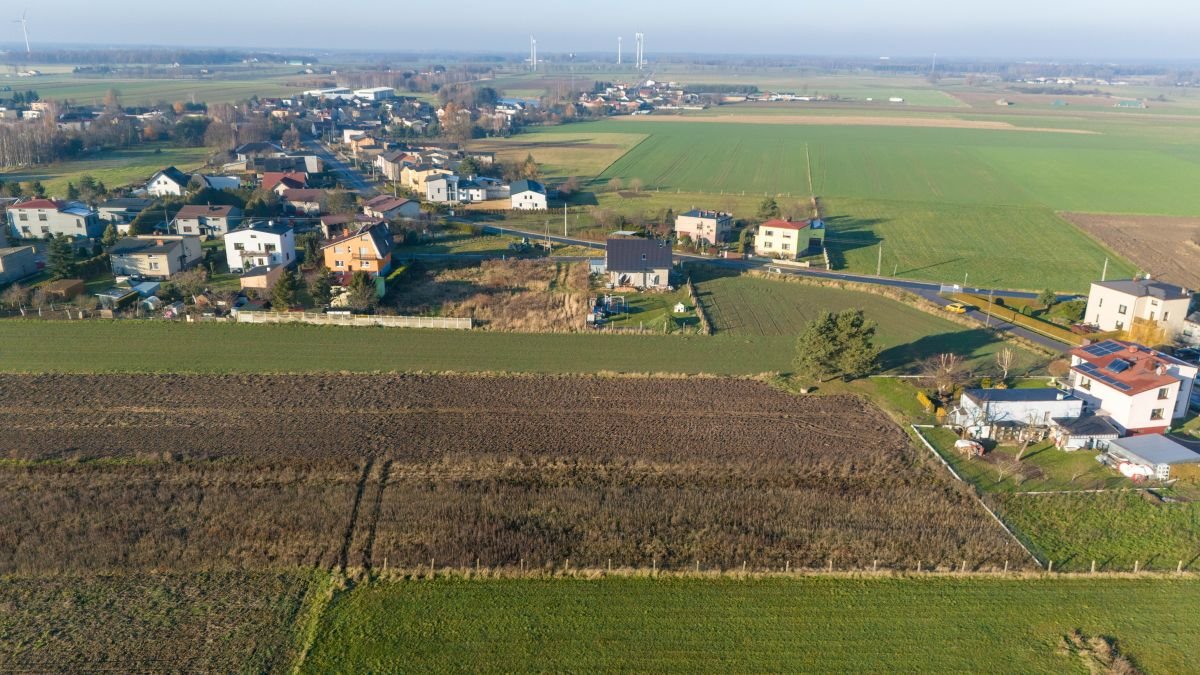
[854,120]
[202,472]
[1166,247]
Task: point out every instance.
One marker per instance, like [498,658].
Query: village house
[1138,389]
[392,208]
[307,202]
[122,211]
[341,224]
[414,177]
[1007,414]
[260,245]
[203,182]
[248,151]
[170,182]
[16,263]
[367,250]
[711,227]
[442,189]
[391,164]
[207,221]
[39,218]
[528,195]
[788,240]
[278,181]
[638,263]
[1117,305]
[154,256]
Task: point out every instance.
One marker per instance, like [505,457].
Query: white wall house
[258,245]
[442,189]
[980,410]
[528,195]
[1139,389]
[1114,305]
[168,182]
[700,226]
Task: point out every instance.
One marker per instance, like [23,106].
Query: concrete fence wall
[322,319]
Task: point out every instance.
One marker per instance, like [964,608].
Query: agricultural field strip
[858,120]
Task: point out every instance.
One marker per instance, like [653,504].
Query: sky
[1018,29]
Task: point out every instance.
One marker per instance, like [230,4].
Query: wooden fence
[347,319]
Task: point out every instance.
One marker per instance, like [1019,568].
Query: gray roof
[265,227]
[1147,287]
[701,213]
[127,203]
[1018,395]
[527,186]
[637,255]
[135,245]
[1088,425]
[1155,449]
[174,174]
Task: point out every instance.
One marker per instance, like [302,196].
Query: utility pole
[879,265]
[989,309]
[564,220]
[965,275]
[1104,274]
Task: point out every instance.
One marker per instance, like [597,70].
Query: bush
[985,383]
[925,401]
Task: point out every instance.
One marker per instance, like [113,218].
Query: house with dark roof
[39,218]
[369,249]
[154,256]
[170,182]
[306,202]
[1117,305]
[1088,432]
[391,208]
[1005,414]
[203,220]
[638,263]
[246,151]
[1139,389]
[341,224]
[700,225]
[278,181]
[528,195]
[261,244]
[122,211]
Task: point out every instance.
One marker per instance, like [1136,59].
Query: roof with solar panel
[1127,367]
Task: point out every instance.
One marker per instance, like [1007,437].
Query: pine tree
[361,291]
[768,209]
[60,258]
[283,293]
[837,345]
[110,236]
[320,288]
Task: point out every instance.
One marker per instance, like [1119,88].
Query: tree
[15,296]
[72,192]
[469,166]
[320,287]
[834,345]
[615,185]
[768,209]
[746,240]
[342,202]
[291,138]
[361,291]
[530,168]
[60,259]
[1149,333]
[1005,358]
[1047,298]
[37,189]
[310,243]
[191,282]
[944,372]
[283,293]
[190,131]
[636,184]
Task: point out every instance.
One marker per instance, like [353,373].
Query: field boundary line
[308,623]
[974,491]
[645,137]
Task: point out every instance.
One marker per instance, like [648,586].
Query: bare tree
[15,296]
[1005,358]
[944,372]
[636,184]
[1030,433]
[615,185]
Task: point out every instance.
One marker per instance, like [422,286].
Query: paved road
[350,177]
[927,290]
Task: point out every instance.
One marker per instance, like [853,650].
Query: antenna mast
[619,50]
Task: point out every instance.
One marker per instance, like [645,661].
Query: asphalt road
[928,290]
[350,177]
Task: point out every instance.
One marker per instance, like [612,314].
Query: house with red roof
[290,180]
[307,202]
[39,218]
[1138,389]
[789,240]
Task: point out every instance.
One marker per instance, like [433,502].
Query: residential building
[1116,305]
[248,151]
[1152,456]
[155,256]
[339,225]
[442,189]
[391,164]
[39,218]
[1007,413]
[367,250]
[1190,333]
[278,181]
[414,177]
[639,263]
[711,227]
[789,240]
[122,211]
[375,93]
[260,245]
[528,195]
[16,263]
[170,182]
[308,202]
[207,221]
[1139,389]
[391,208]
[203,182]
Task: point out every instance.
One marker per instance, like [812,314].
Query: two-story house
[121,211]
[367,250]
[154,256]
[789,240]
[207,221]
[701,226]
[1139,389]
[638,263]
[528,195]
[170,182]
[309,202]
[1116,305]
[260,245]
[388,207]
[40,218]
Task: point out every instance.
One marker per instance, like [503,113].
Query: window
[79,224]
[1166,316]
[1122,309]
[45,230]
[366,265]
[42,217]
[1164,394]
[786,247]
[339,263]
[1156,414]
[769,233]
[363,250]
[1085,383]
[153,265]
[239,246]
[1100,303]
[1120,325]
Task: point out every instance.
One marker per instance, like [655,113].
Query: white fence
[347,319]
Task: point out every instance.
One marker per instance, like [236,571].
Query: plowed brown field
[209,472]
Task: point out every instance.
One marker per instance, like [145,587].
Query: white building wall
[1110,309]
[529,201]
[256,242]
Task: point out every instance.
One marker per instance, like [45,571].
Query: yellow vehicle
[957,308]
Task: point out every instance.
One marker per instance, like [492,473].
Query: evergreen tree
[837,345]
[60,258]
[320,287]
[72,192]
[768,209]
[110,236]
[361,291]
[283,293]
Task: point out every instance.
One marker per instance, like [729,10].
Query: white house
[639,263]
[699,225]
[528,195]
[789,240]
[168,182]
[375,93]
[987,413]
[1139,389]
[442,189]
[1115,305]
[258,245]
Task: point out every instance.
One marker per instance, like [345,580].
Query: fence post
[1093,567]
[1135,566]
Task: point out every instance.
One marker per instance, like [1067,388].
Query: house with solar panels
[1138,389]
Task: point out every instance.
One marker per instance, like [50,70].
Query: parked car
[957,308]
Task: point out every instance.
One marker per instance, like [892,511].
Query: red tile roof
[787,225]
[202,210]
[1147,369]
[271,179]
[294,195]
[39,204]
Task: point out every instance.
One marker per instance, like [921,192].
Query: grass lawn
[807,624]
[162,347]
[563,154]
[753,306]
[115,168]
[653,311]
[150,91]
[492,244]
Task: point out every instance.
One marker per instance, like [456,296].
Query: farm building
[1003,413]
[704,226]
[1090,432]
[640,263]
[1150,456]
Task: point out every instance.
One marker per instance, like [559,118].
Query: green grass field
[115,168]
[752,306]
[774,625]
[88,90]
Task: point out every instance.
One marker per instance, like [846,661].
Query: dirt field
[167,473]
[1168,248]
[852,120]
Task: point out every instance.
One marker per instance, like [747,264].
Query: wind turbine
[25,30]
